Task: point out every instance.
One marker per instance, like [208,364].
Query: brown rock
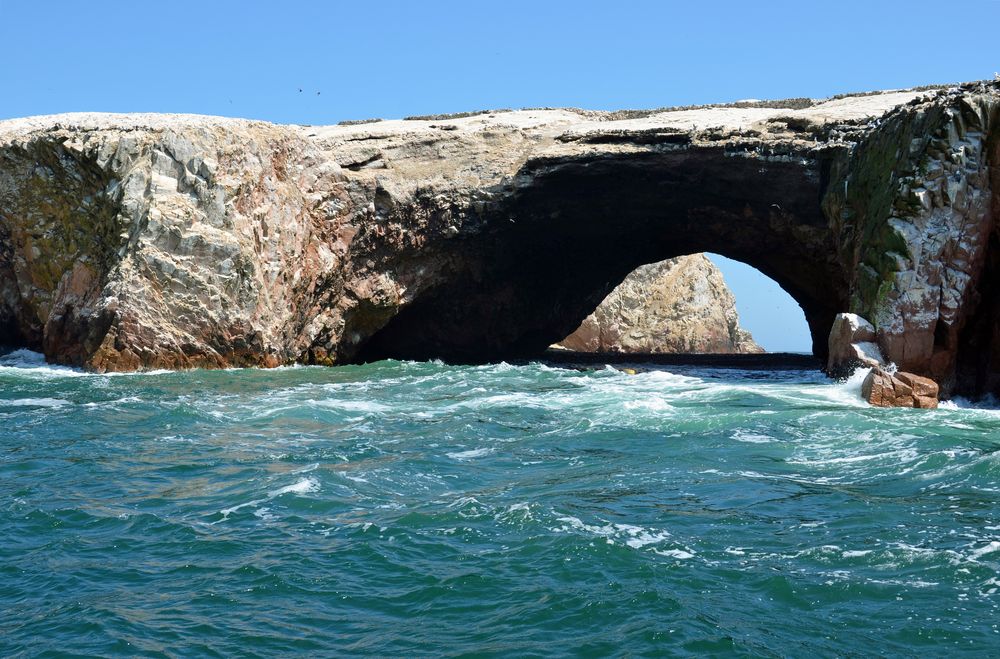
[902,393]
[883,389]
[199,241]
[921,386]
[877,388]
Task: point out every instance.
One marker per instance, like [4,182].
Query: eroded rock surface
[131,241]
[680,305]
[883,389]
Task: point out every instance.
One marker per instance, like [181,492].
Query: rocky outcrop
[680,305]
[852,345]
[131,241]
[883,389]
[921,203]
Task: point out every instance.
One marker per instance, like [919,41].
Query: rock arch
[578,226]
[130,241]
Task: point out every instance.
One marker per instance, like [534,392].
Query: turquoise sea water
[407,509]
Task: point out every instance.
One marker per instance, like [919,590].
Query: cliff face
[130,241]
[680,305]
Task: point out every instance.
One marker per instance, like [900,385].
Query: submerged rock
[852,345]
[680,305]
[883,389]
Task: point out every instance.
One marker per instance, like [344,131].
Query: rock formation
[680,305]
[852,344]
[883,389]
[131,241]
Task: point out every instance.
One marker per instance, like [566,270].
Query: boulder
[925,390]
[884,389]
[852,345]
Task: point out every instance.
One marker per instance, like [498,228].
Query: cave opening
[12,335]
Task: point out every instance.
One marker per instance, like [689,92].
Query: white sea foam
[846,392]
[856,553]
[744,435]
[350,405]
[663,377]
[656,404]
[470,454]
[461,502]
[30,364]
[633,536]
[991,548]
[34,402]
[302,486]
[110,403]
[913,583]
[679,554]
[26,363]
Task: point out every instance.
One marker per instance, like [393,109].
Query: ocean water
[413,509]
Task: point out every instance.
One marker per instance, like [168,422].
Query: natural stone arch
[563,241]
[132,241]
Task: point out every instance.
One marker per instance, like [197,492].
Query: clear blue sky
[390,59]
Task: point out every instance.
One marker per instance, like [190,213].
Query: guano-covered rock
[138,241]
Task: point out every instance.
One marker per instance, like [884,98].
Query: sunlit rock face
[883,389]
[680,305]
[137,241]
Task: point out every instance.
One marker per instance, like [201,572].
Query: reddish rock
[884,389]
[169,241]
[925,390]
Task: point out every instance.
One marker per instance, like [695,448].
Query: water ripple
[419,508]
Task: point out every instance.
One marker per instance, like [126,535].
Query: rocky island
[169,241]
[680,305]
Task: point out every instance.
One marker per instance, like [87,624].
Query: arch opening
[552,250]
[693,304]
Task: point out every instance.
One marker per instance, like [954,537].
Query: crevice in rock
[369,162]
[977,361]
